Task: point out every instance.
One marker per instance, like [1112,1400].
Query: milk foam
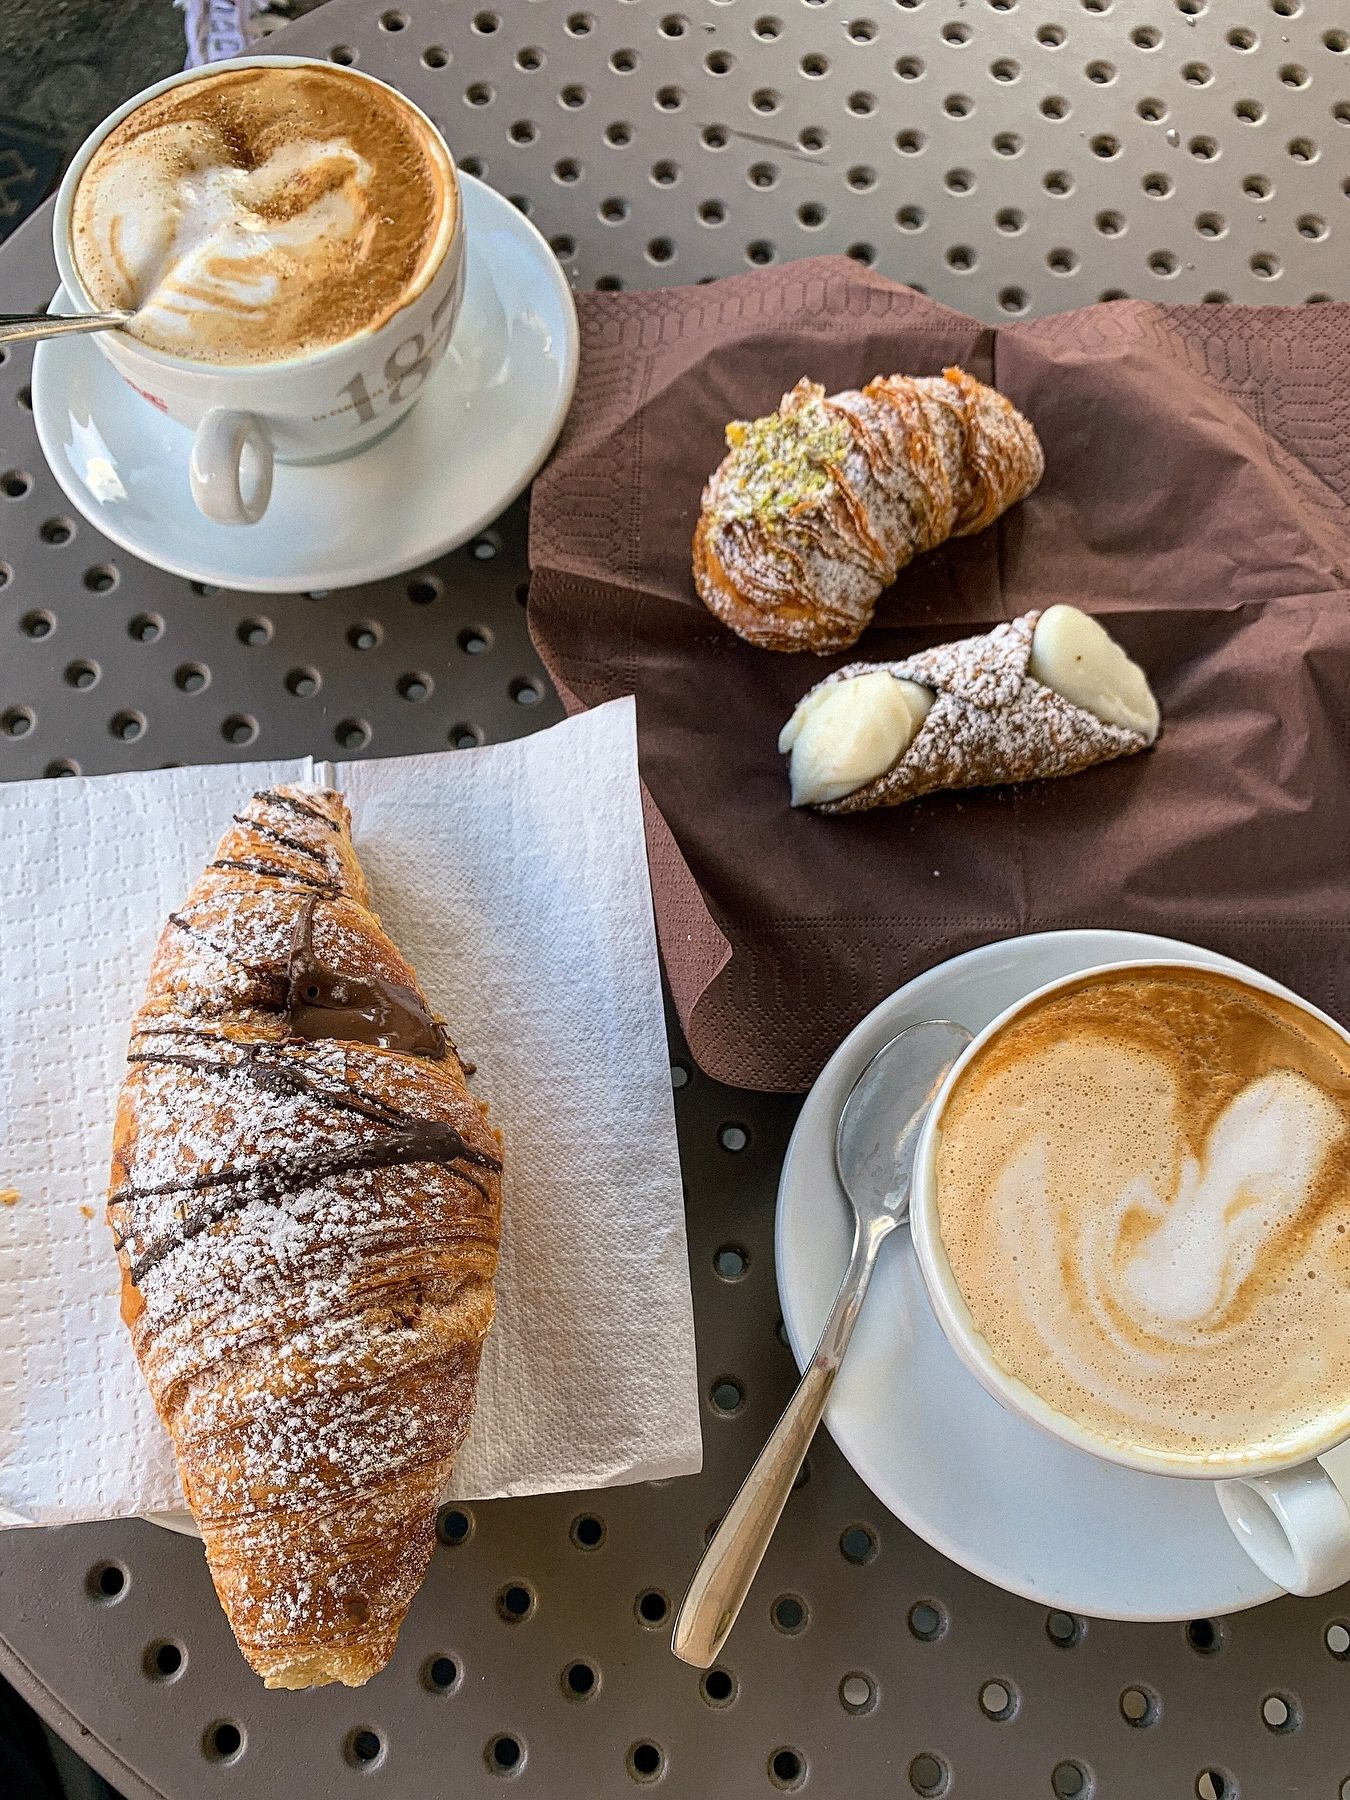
[191,234]
[1144,1193]
[252,220]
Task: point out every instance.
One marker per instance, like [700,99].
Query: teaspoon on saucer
[874,1145]
[26,328]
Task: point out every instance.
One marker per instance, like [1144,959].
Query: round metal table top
[1009,156]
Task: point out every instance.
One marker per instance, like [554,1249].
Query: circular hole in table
[1140,1707]
[515,1603]
[107,1581]
[646,1761]
[1065,1630]
[857,1693]
[726,1395]
[353,734]
[454,1526]
[223,1741]
[929,1775]
[790,1614]
[440,1674]
[1205,1636]
[787,1768]
[1281,1713]
[652,1607]
[927,1621]
[718,1687]
[858,1544]
[504,1754]
[587,1531]
[1069,1780]
[998,1700]
[580,1681]
[164,1660]
[127,725]
[363,1748]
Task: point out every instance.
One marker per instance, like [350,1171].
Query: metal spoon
[874,1147]
[24,328]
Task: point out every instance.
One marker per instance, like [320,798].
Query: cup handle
[1295,1526]
[231,467]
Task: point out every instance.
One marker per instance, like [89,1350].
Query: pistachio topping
[783,462]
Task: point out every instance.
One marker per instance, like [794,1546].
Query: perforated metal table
[1011,156]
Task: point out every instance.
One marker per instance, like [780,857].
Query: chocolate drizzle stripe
[298,845]
[257,970]
[291,803]
[287,1079]
[427,1141]
[254,866]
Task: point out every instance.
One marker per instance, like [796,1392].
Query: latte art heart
[262,213]
[1144,1195]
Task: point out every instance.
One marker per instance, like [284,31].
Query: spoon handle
[23,328]
[728,1566]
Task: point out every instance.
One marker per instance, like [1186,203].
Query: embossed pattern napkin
[1195,498]
[515,879]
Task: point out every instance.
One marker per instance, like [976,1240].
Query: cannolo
[1046,694]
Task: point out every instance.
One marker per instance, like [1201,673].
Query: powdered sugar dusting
[308,1234]
[990,723]
[805,524]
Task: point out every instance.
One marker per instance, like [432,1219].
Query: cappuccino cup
[289,236]
[1131,1210]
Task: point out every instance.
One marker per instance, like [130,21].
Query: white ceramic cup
[1286,1512]
[314,408]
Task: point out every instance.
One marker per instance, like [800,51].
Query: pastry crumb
[9,1196]
[88,1211]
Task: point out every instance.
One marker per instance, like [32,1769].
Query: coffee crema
[1143,1191]
[263,213]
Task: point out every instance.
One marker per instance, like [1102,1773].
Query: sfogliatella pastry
[818,507]
[1047,694]
[306,1204]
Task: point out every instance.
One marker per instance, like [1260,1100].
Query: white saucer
[488,418]
[981,1485]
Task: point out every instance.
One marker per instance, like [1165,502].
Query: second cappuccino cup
[330,393]
[1132,1216]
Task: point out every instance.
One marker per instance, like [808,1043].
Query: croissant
[817,507]
[305,1201]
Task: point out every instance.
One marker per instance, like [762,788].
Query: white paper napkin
[515,879]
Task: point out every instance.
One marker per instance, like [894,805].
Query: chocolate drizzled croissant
[817,507]
[305,1201]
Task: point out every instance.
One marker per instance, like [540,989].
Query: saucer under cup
[982,1485]
[488,416]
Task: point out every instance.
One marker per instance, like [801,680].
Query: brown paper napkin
[1195,497]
